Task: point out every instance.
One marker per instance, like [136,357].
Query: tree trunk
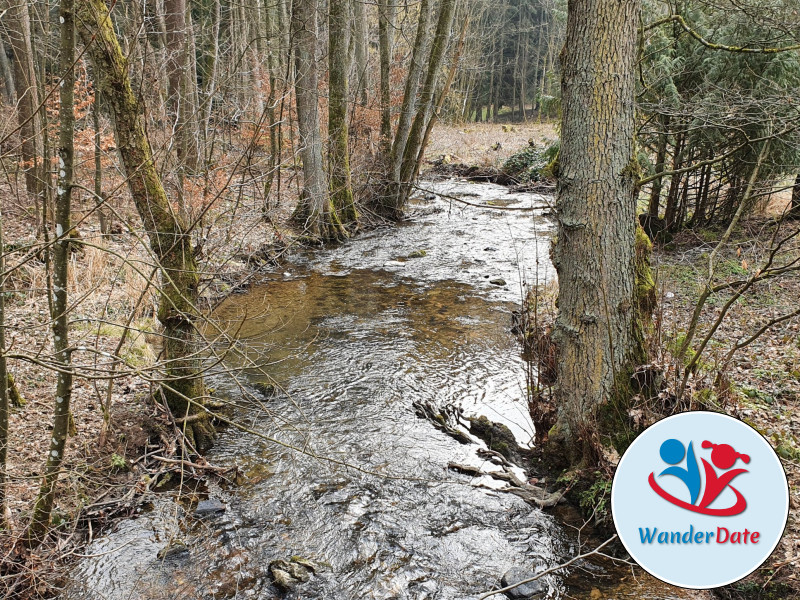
[179,99]
[315,211]
[8,78]
[4,403]
[338,150]
[360,34]
[596,327]
[170,238]
[412,150]
[661,155]
[385,24]
[795,208]
[60,313]
[19,33]
[415,71]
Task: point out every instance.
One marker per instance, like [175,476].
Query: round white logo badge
[700,500]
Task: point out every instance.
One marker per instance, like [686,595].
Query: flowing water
[354,335]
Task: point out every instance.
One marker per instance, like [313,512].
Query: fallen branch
[550,570]
[532,494]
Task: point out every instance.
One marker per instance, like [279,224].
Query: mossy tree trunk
[60,305]
[596,329]
[170,238]
[315,210]
[338,147]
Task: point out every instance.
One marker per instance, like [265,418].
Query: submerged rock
[526,591]
[288,573]
[265,389]
[497,436]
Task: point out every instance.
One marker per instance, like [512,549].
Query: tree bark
[315,210]
[594,253]
[338,150]
[19,33]
[385,24]
[170,238]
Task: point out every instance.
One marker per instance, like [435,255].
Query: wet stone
[527,591]
[265,389]
[209,507]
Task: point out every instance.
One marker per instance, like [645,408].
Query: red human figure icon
[724,457]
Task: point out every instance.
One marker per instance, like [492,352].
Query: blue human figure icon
[672,453]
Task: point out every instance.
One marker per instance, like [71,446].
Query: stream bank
[354,336]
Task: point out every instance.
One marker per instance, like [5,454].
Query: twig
[550,570]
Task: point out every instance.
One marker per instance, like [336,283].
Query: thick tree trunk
[19,32]
[596,329]
[170,239]
[338,150]
[60,313]
[315,209]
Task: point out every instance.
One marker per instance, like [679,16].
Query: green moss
[496,435]
[614,423]
[14,397]
[595,500]
[645,282]
[532,163]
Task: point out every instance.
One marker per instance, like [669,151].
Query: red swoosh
[737,508]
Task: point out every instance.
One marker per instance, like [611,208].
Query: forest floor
[111,276]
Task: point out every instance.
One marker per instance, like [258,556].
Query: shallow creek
[354,335]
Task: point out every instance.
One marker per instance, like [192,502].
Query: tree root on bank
[532,494]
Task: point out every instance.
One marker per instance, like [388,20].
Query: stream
[354,335]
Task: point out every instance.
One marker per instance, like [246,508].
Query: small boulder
[498,281]
[211,506]
[527,591]
[265,389]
